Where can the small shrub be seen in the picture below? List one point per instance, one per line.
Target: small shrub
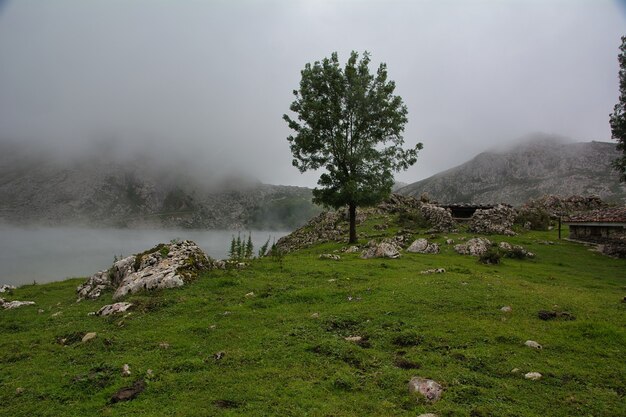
(537, 218)
(491, 257)
(413, 220)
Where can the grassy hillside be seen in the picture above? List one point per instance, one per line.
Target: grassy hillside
(279, 328)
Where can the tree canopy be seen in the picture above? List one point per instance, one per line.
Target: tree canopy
(618, 117)
(350, 123)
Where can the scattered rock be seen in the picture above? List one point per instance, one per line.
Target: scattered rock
(449, 241)
(125, 370)
(533, 376)
(250, 294)
(89, 336)
(506, 309)
(433, 271)
(40, 311)
(554, 315)
(330, 256)
(58, 313)
(19, 391)
(427, 388)
(352, 249)
(113, 309)
(315, 315)
(355, 339)
(427, 415)
(514, 370)
(164, 266)
(219, 355)
(129, 393)
(533, 344)
(8, 305)
(164, 345)
(381, 250)
(475, 246)
(149, 373)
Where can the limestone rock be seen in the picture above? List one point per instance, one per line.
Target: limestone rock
(506, 309)
(330, 256)
(475, 246)
(352, 249)
(419, 246)
(113, 309)
(533, 344)
(533, 376)
(8, 305)
(427, 388)
(6, 288)
(381, 250)
(164, 266)
(433, 271)
(89, 336)
(423, 246)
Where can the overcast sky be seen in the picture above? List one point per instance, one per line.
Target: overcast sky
(210, 80)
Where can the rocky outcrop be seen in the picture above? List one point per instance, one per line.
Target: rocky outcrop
(164, 266)
(116, 308)
(9, 305)
(496, 221)
(514, 251)
(381, 250)
(423, 246)
(559, 206)
(427, 389)
(475, 247)
(537, 166)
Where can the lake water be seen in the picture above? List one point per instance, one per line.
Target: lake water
(45, 254)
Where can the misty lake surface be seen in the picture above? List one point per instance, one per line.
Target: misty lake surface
(45, 254)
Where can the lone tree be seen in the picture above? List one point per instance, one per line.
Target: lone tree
(350, 123)
(618, 117)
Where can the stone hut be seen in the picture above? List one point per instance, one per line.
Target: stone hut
(598, 226)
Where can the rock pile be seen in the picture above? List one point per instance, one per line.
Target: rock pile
(439, 217)
(498, 220)
(164, 266)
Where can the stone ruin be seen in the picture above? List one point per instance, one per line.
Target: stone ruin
(496, 221)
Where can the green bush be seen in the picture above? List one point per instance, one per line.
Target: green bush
(538, 218)
(491, 257)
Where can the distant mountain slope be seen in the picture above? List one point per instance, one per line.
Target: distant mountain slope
(531, 169)
(138, 192)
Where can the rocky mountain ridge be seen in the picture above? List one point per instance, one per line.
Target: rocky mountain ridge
(533, 168)
(139, 192)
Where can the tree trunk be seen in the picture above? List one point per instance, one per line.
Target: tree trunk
(352, 217)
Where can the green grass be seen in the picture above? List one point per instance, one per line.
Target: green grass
(280, 360)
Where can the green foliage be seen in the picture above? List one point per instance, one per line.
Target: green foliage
(350, 123)
(263, 249)
(491, 257)
(538, 218)
(618, 117)
(240, 249)
(413, 219)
